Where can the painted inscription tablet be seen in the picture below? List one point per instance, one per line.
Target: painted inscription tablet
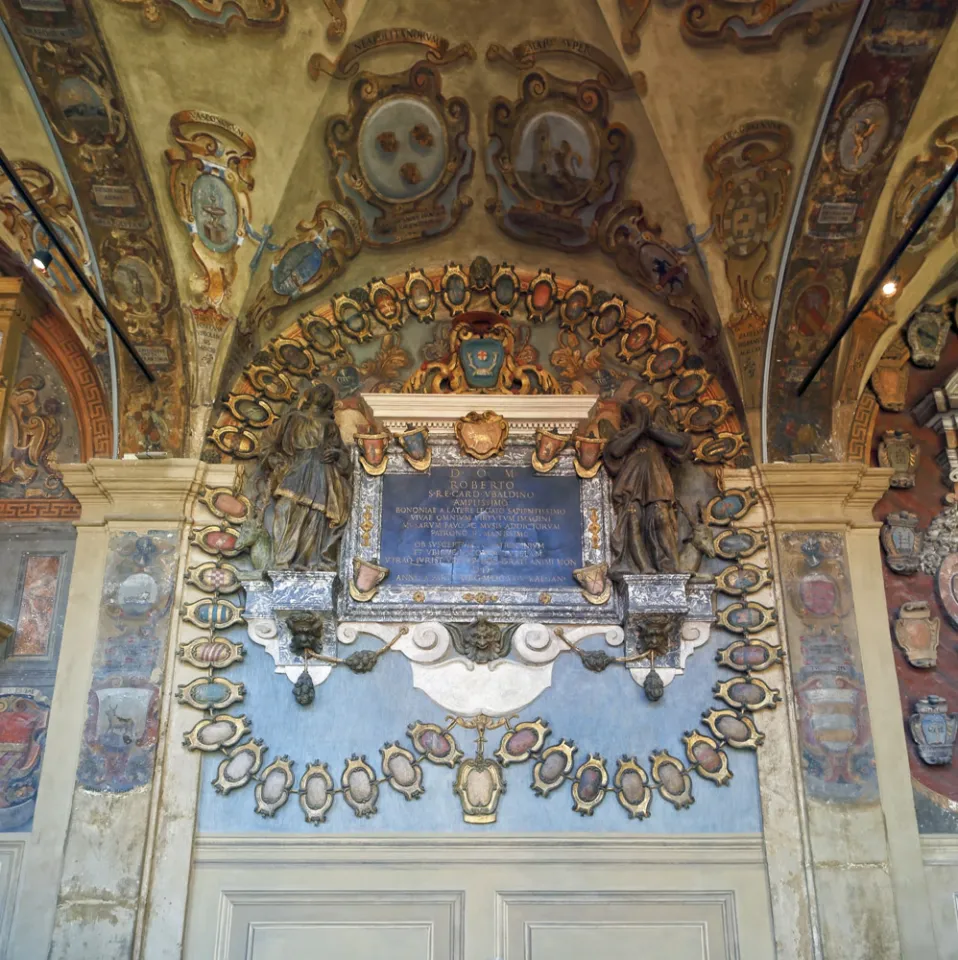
(466, 535)
(481, 525)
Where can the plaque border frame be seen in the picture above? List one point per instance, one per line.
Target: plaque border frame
(396, 603)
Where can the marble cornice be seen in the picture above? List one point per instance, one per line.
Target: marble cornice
(134, 490)
(816, 494)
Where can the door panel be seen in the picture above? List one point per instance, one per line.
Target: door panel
(614, 926)
(275, 925)
(256, 897)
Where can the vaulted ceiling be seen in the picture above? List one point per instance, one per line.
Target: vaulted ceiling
(736, 169)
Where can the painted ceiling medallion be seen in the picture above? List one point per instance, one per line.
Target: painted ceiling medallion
(402, 156)
(317, 252)
(556, 160)
(210, 184)
(916, 185)
(750, 177)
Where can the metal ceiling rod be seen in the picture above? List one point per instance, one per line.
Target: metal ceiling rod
(7, 168)
(906, 238)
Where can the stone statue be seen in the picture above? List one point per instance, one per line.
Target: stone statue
(639, 458)
(300, 488)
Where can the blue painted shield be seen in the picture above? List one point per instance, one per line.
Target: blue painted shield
(482, 360)
(414, 443)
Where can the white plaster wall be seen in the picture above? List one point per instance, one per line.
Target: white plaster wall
(940, 855)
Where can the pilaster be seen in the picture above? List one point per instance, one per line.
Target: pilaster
(11, 329)
(82, 885)
(863, 836)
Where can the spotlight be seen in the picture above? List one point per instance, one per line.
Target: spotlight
(42, 259)
(889, 288)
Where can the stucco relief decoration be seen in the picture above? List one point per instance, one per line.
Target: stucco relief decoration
(880, 85)
(757, 25)
(217, 575)
(21, 232)
(750, 177)
(210, 185)
(215, 14)
(71, 70)
(493, 329)
(559, 163)
(401, 155)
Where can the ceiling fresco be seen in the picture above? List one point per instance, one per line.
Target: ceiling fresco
(882, 80)
(229, 167)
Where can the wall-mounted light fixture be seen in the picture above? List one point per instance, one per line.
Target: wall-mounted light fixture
(41, 259)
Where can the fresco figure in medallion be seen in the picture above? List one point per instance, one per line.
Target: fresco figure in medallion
(639, 458)
(301, 485)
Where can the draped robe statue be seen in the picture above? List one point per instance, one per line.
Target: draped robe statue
(302, 484)
(639, 458)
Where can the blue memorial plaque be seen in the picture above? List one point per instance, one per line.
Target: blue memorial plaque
(481, 526)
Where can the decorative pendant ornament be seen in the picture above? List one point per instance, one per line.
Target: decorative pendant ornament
(594, 580)
(934, 730)
(548, 447)
(373, 456)
(482, 435)
(588, 456)
(916, 632)
(367, 577)
(304, 692)
(653, 686)
(901, 540)
(897, 451)
(415, 447)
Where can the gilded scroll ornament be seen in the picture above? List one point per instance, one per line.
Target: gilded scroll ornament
(337, 26)
(755, 24)
(632, 13)
(216, 14)
(210, 185)
(433, 49)
(482, 353)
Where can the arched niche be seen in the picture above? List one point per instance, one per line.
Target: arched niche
(486, 330)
